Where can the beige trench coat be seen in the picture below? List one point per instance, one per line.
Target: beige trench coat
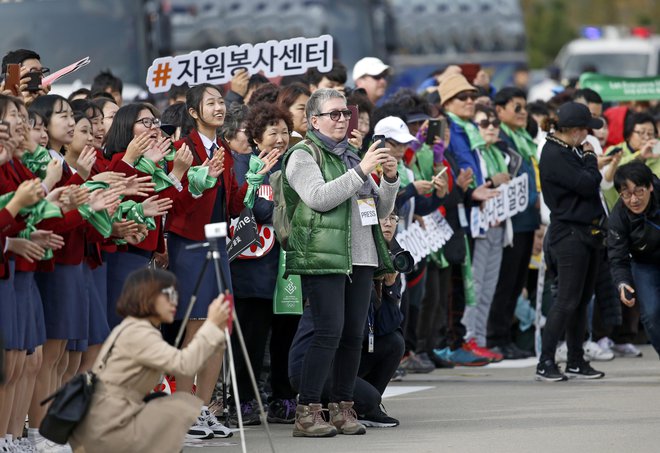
(118, 420)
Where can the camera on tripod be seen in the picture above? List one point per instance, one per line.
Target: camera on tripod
(215, 230)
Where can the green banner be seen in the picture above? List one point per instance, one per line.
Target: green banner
(622, 88)
(287, 299)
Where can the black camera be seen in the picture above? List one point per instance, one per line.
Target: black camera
(402, 260)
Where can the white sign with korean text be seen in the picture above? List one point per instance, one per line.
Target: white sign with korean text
(512, 199)
(217, 66)
(421, 242)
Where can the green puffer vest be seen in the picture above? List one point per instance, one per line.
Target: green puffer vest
(320, 242)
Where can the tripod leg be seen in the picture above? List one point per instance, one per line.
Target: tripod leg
(221, 285)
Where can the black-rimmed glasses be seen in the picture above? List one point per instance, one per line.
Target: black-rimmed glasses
(335, 114)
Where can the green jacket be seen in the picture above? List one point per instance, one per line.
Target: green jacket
(320, 242)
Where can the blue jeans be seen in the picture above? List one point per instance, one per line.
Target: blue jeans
(647, 289)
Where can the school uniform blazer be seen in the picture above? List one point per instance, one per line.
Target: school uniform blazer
(118, 419)
(190, 216)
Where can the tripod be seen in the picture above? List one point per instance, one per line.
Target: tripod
(215, 233)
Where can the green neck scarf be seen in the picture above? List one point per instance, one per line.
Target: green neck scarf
(37, 161)
(475, 138)
(34, 214)
(523, 141)
(199, 180)
(100, 220)
(494, 160)
(158, 175)
(403, 175)
(130, 210)
(253, 179)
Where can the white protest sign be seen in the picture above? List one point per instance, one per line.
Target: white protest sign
(421, 242)
(512, 199)
(217, 66)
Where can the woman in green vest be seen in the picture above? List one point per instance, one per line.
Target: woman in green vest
(335, 244)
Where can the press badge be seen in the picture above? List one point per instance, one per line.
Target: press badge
(371, 342)
(368, 214)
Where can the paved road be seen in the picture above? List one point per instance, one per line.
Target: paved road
(500, 408)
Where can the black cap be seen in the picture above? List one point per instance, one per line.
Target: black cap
(573, 114)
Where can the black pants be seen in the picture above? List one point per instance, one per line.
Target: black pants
(432, 319)
(283, 330)
(378, 367)
(512, 278)
(577, 267)
(255, 316)
(339, 308)
(455, 328)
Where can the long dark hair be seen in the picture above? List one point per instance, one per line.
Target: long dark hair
(121, 131)
(46, 105)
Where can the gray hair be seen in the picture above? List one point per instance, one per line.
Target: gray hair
(318, 98)
(236, 115)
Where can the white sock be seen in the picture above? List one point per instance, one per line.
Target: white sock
(9, 438)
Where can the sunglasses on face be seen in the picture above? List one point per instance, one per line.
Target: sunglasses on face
(149, 122)
(335, 114)
(465, 95)
(172, 295)
(485, 123)
(519, 108)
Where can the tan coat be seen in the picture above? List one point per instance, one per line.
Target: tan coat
(118, 420)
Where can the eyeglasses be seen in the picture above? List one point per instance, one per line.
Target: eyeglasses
(172, 295)
(43, 71)
(149, 122)
(485, 123)
(519, 108)
(335, 114)
(391, 219)
(465, 95)
(647, 134)
(637, 191)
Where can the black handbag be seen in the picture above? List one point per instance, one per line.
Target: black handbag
(70, 404)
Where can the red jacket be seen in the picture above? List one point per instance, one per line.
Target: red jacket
(189, 214)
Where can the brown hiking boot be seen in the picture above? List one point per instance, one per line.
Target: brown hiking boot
(310, 422)
(344, 418)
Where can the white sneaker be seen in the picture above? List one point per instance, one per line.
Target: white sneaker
(626, 350)
(43, 445)
(200, 430)
(561, 354)
(594, 353)
(26, 446)
(219, 430)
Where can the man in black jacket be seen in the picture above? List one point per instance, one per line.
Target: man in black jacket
(633, 243)
(570, 182)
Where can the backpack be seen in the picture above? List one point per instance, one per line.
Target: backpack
(281, 219)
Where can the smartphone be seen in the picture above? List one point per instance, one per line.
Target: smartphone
(614, 151)
(34, 82)
(13, 79)
(656, 148)
(382, 141)
(168, 129)
(353, 122)
(436, 129)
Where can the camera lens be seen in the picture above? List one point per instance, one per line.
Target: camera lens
(403, 262)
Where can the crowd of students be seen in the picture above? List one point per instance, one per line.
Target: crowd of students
(92, 190)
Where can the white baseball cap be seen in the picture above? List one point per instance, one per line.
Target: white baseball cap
(394, 128)
(369, 66)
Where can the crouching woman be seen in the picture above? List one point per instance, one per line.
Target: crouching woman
(119, 419)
